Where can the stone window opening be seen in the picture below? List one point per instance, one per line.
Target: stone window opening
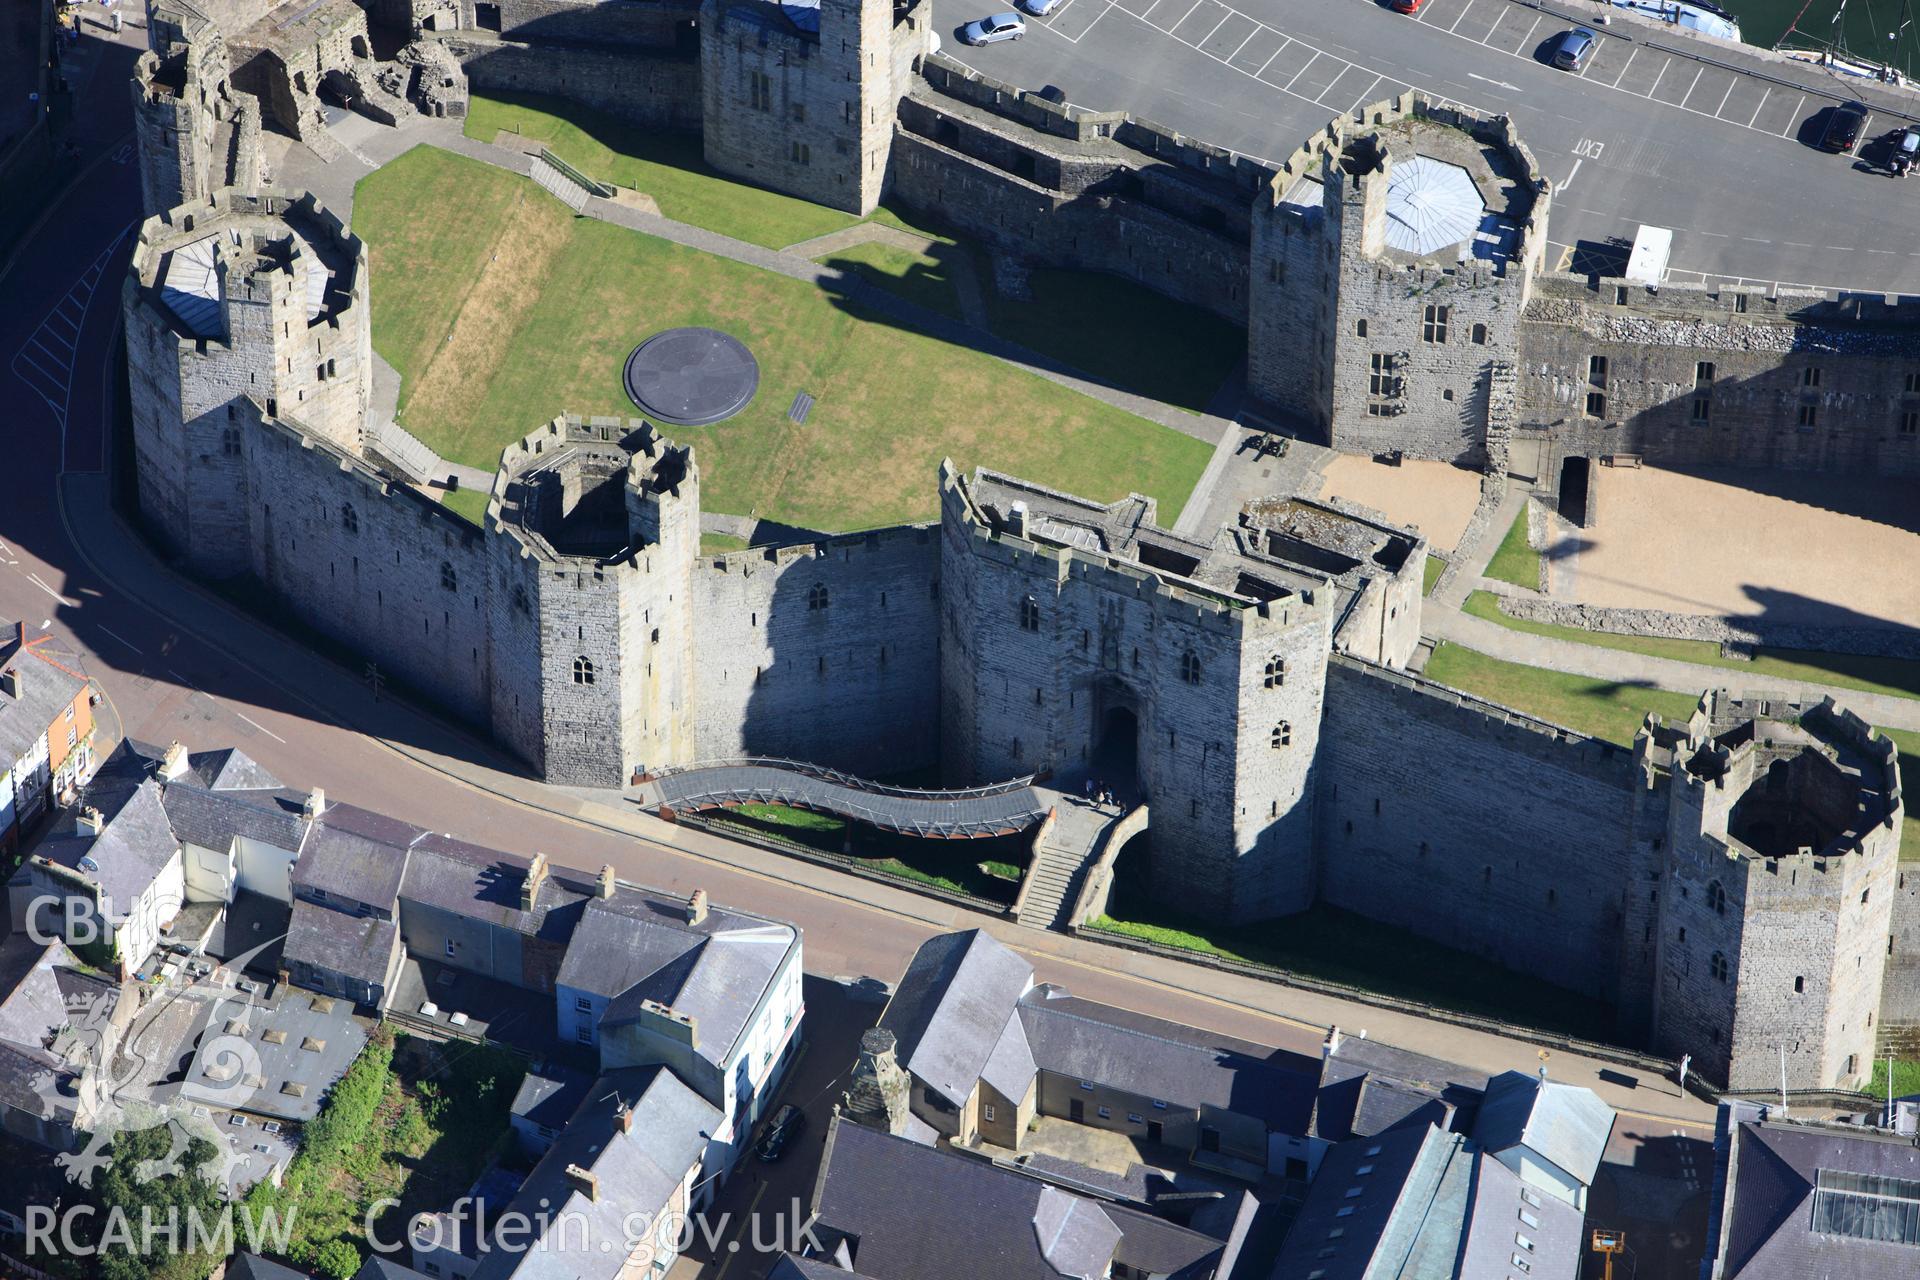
(449, 581)
(1703, 374)
(1910, 422)
(1808, 417)
(1596, 404)
(1282, 735)
(1596, 371)
(1913, 382)
(1433, 325)
(349, 518)
(1039, 699)
(1360, 328)
(1811, 377)
(759, 91)
(1479, 335)
(1683, 933)
(1029, 614)
(1190, 667)
(817, 597)
(1800, 985)
(583, 670)
(801, 153)
(1276, 674)
(1702, 409)
(230, 441)
(1717, 898)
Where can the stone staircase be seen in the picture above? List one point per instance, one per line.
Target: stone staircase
(404, 452)
(1060, 861)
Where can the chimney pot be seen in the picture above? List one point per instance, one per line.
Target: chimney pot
(10, 682)
(316, 803)
(530, 887)
(603, 884)
(697, 907)
(91, 820)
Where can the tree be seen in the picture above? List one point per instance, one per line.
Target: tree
(128, 1201)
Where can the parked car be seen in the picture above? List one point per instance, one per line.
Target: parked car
(992, 30)
(1906, 151)
(1571, 50)
(1844, 123)
(1404, 6)
(1038, 8)
(787, 1124)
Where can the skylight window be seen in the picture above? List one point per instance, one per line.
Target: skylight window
(1866, 1206)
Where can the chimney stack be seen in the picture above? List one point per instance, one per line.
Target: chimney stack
(316, 803)
(174, 762)
(585, 1181)
(89, 821)
(623, 1119)
(1017, 518)
(536, 876)
(603, 883)
(1331, 1045)
(697, 907)
(10, 683)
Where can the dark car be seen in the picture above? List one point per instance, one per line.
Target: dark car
(1571, 49)
(1844, 123)
(787, 1124)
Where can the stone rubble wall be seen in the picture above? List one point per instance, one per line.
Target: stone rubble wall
(1736, 634)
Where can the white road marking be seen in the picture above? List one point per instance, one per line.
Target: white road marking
(1682, 104)
(1576, 169)
(1284, 42)
(1631, 55)
(123, 640)
(1243, 44)
(1728, 94)
(1498, 84)
(34, 578)
(1766, 92)
(1302, 71)
(1216, 28)
(1183, 17)
(1793, 117)
(1463, 13)
(262, 728)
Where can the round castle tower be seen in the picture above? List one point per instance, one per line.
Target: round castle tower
(595, 526)
(237, 304)
(1769, 918)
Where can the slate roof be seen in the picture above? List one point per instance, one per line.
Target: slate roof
(251, 1266)
(1562, 1123)
(1419, 1203)
(792, 1267)
(484, 884)
(638, 946)
(918, 1213)
(379, 1268)
(46, 690)
(549, 1096)
(951, 1008)
(211, 819)
(134, 842)
(360, 947)
(32, 1002)
(637, 1171)
(356, 855)
(1166, 1061)
(1766, 1232)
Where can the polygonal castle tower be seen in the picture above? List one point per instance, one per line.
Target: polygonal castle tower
(801, 96)
(231, 299)
(1390, 263)
(1764, 928)
(596, 526)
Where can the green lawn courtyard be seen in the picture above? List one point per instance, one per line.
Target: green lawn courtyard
(500, 310)
(1515, 561)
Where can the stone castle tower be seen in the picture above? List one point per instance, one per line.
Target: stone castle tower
(1413, 239)
(233, 301)
(1076, 635)
(1763, 926)
(194, 134)
(598, 528)
(801, 97)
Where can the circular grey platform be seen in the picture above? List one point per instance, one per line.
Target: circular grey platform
(691, 377)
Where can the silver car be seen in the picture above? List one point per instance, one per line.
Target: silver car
(1001, 26)
(1038, 8)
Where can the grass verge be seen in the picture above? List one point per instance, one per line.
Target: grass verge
(476, 262)
(471, 503)
(1906, 1078)
(1895, 677)
(958, 866)
(1338, 946)
(1907, 743)
(1430, 574)
(713, 544)
(670, 167)
(1515, 561)
(1599, 708)
(924, 279)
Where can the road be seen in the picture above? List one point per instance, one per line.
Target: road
(1639, 136)
(166, 678)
